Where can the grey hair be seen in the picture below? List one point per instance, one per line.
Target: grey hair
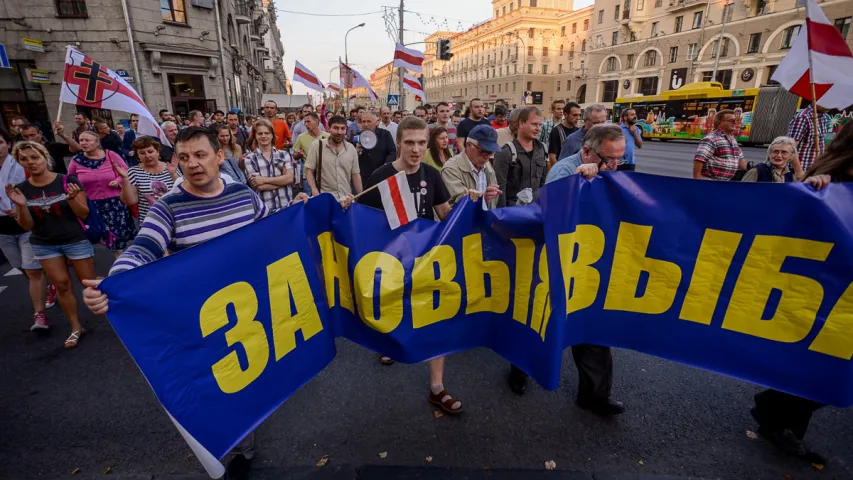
(472, 142)
(168, 123)
(605, 132)
(595, 107)
(782, 140)
(513, 115)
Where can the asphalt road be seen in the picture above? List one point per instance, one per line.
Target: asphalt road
(91, 409)
(675, 159)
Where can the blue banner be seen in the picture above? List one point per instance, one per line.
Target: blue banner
(749, 280)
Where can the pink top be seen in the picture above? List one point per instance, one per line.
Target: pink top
(96, 183)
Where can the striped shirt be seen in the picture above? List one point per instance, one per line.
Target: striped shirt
(801, 129)
(720, 155)
(280, 163)
(181, 220)
(150, 187)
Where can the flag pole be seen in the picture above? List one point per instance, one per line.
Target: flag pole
(815, 125)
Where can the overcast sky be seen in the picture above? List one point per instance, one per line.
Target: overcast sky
(318, 41)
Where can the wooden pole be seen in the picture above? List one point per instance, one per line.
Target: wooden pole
(58, 115)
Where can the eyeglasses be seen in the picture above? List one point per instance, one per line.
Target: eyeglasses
(784, 153)
(484, 153)
(606, 160)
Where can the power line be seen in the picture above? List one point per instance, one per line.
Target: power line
(329, 14)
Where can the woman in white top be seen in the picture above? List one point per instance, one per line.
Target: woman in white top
(143, 184)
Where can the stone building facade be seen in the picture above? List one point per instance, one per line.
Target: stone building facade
(180, 54)
(615, 48)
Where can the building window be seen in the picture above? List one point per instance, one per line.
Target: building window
(616, 14)
(615, 39)
(654, 29)
(510, 7)
(493, 89)
(754, 43)
(558, 85)
(568, 85)
(697, 19)
(530, 51)
(530, 33)
(658, 3)
(544, 51)
(610, 90)
(586, 25)
(673, 54)
(544, 69)
(503, 10)
(571, 48)
(533, 3)
(561, 50)
(583, 46)
(692, 51)
(529, 68)
(71, 8)
(648, 86)
(515, 69)
(641, 4)
(843, 26)
(563, 31)
(529, 86)
(574, 28)
(630, 62)
(650, 58)
(610, 65)
(513, 86)
(789, 35)
(598, 42)
(560, 68)
(728, 10)
(679, 21)
(173, 11)
(725, 50)
(499, 88)
(770, 71)
(633, 36)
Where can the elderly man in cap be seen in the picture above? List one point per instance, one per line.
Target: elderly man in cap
(471, 172)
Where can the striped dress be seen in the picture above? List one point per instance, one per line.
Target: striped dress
(150, 186)
(180, 220)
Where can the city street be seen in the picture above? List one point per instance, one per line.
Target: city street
(91, 409)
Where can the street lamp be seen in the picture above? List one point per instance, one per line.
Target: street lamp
(523, 70)
(346, 60)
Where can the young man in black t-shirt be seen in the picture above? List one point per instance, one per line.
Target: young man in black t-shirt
(558, 135)
(431, 201)
(475, 117)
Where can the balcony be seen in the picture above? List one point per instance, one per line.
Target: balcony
(677, 5)
(243, 14)
(492, 62)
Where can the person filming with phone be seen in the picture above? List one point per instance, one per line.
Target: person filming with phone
(375, 146)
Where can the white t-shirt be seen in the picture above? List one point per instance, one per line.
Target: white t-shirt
(392, 129)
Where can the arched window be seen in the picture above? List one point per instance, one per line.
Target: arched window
(583, 46)
(581, 97)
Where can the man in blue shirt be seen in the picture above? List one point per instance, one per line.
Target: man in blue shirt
(592, 115)
(127, 142)
(633, 139)
(602, 149)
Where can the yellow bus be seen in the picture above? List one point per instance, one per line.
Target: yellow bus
(688, 113)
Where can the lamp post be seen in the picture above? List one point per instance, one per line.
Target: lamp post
(346, 60)
(523, 70)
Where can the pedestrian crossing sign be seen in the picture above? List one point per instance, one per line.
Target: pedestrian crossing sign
(4, 59)
(393, 100)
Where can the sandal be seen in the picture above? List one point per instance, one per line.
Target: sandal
(74, 338)
(445, 402)
(385, 360)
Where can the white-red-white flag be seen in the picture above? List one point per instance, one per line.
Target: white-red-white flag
(408, 58)
(90, 84)
(410, 82)
(306, 77)
(334, 87)
(397, 200)
(350, 78)
(831, 59)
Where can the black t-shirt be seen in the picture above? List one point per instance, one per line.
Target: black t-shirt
(555, 142)
(383, 153)
(57, 152)
(466, 125)
(55, 222)
(112, 142)
(427, 179)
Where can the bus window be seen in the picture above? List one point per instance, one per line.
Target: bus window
(641, 110)
(616, 114)
(675, 110)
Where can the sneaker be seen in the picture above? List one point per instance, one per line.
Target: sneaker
(39, 322)
(51, 296)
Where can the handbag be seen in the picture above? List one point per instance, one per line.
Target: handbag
(134, 209)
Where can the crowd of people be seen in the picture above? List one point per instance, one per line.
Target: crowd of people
(221, 172)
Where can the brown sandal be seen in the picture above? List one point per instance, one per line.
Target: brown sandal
(445, 402)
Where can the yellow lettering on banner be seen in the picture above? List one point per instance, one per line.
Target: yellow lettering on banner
(712, 265)
(425, 284)
(590, 242)
(390, 290)
(525, 254)
(801, 296)
(836, 336)
(476, 270)
(287, 278)
(335, 258)
(248, 332)
(542, 298)
(629, 262)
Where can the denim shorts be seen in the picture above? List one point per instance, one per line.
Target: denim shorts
(19, 251)
(72, 251)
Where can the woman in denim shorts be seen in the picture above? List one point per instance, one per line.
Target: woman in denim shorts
(14, 240)
(50, 205)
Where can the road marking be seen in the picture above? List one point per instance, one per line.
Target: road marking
(3, 288)
(12, 272)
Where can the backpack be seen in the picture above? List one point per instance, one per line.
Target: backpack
(765, 175)
(95, 227)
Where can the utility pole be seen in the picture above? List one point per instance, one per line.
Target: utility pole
(401, 70)
(721, 40)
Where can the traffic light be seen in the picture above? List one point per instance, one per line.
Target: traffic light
(444, 49)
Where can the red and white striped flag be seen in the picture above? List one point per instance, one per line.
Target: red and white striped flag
(408, 58)
(410, 82)
(397, 200)
(822, 45)
(352, 79)
(334, 87)
(306, 77)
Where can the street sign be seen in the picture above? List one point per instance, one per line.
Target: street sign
(4, 59)
(33, 45)
(38, 76)
(124, 75)
(393, 100)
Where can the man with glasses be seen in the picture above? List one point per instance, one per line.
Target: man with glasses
(603, 147)
(471, 171)
(718, 156)
(593, 115)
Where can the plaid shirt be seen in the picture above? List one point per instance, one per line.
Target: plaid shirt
(720, 155)
(800, 129)
(545, 134)
(278, 165)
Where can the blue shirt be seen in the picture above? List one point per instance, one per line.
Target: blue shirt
(630, 142)
(565, 167)
(573, 144)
